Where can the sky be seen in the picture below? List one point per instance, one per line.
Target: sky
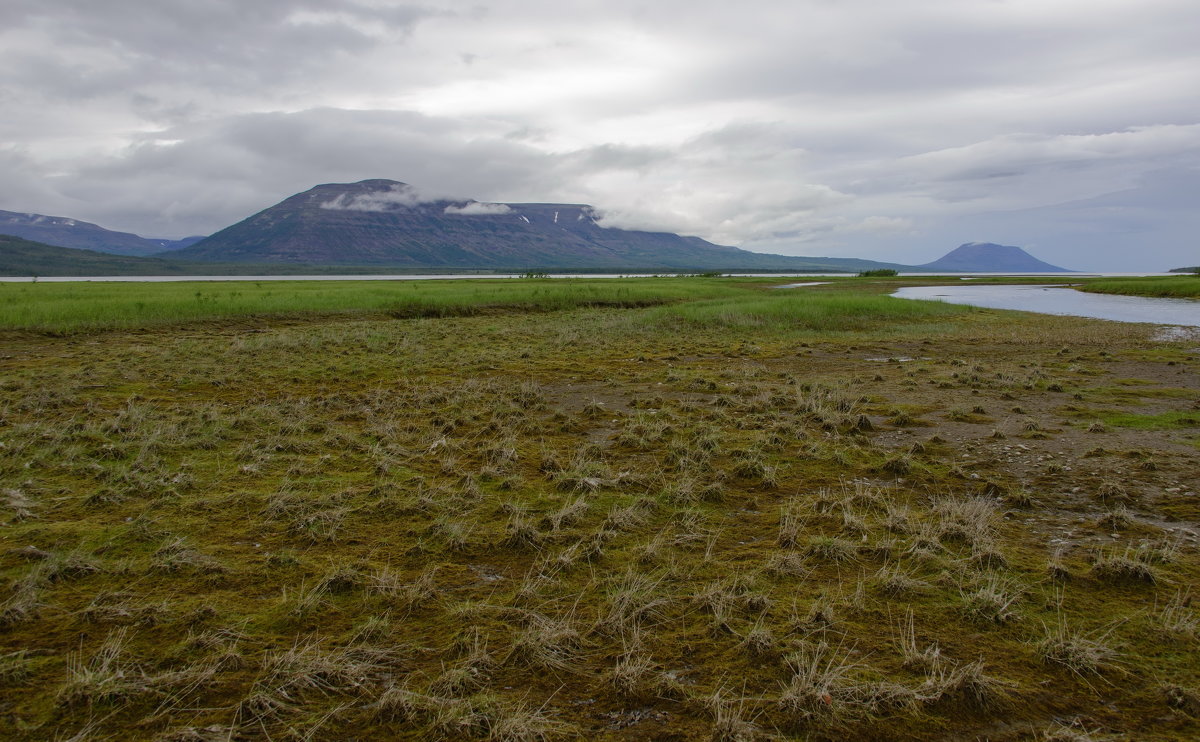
(850, 128)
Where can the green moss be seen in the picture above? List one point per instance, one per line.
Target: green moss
(582, 522)
(1158, 421)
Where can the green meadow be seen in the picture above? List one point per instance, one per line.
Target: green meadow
(1178, 287)
(67, 307)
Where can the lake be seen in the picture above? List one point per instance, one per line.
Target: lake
(369, 277)
(1064, 301)
(459, 276)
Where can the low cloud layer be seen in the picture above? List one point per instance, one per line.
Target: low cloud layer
(475, 208)
(404, 196)
(859, 128)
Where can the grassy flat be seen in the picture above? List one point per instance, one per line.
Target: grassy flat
(683, 508)
(1178, 287)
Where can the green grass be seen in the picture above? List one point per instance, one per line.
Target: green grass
(822, 311)
(1161, 421)
(691, 302)
(1178, 287)
(69, 307)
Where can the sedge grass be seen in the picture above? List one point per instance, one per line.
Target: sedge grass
(820, 311)
(68, 307)
(1178, 287)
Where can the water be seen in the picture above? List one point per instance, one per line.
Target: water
(459, 276)
(368, 277)
(1064, 301)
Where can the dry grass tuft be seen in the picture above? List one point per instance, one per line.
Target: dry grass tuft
(822, 684)
(547, 644)
(991, 601)
(831, 548)
(1083, 653)
(1130, 565)
(108, 676)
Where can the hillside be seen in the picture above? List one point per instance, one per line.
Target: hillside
(988, 257)
(21, 257)
(384, 222)
(62, 231)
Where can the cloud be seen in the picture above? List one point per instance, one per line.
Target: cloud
(477, 208)
(854, 127)
(400, 196)
(881, 224)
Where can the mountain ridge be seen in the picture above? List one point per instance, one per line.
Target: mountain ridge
(375, 225)
(385, 222)
(63, 231)
(989, 257)
(21, 257)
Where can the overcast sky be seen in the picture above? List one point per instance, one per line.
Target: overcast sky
(870, 128)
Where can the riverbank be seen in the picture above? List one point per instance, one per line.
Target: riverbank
(1061, 300)
(1178, 287)
(734, 513)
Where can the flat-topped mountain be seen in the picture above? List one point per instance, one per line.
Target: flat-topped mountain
(375, 225)
(385, 222)
(63, 231)
(988, 257)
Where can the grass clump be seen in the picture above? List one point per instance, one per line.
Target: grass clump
(1081, 652)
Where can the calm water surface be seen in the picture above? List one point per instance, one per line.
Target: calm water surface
(1058, 300)
(362, 277)
(457, 276)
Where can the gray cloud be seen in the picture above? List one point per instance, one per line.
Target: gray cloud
(476, 208)
(862, 127)
(402, 196)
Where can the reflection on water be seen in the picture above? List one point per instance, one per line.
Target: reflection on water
(1057, 300)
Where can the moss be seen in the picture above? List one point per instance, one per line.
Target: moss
(536, 526)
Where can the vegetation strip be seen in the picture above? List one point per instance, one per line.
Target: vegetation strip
(1178, 287)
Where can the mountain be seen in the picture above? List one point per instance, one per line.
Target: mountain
(166, 245)
(987, 257)
(385, 222)
(63, 231)
(21, 257)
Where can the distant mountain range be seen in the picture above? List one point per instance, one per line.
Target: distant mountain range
(376, 226)
(66, 232)
(21, 257)
(385, 222)
(990, 258)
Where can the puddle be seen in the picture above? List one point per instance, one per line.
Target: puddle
(1178, 333)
